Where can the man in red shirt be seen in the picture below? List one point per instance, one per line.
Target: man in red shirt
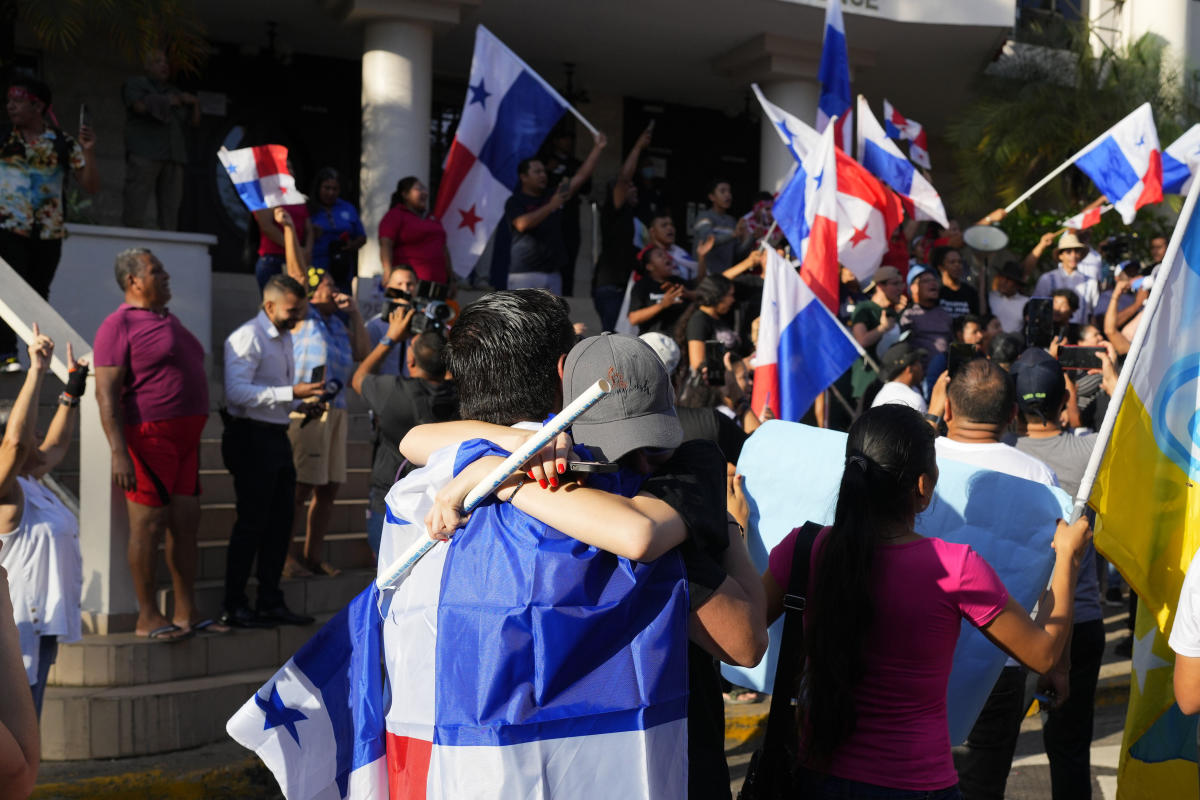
(153, 395)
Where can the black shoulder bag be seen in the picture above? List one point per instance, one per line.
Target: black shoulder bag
(771, 773)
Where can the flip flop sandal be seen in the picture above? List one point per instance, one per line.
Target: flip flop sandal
(163, 634)
(210, 627)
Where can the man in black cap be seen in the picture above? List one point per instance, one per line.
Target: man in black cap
(1067, 732)
(903, 367)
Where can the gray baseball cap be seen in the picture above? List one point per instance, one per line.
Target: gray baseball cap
(639, 411)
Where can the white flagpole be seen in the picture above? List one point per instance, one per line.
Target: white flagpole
(544, 84)
(1135, 349)
(1061, 167)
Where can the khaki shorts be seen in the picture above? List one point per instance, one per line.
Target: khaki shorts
(319, 448)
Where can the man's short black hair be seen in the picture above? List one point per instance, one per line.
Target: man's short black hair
(429, 352)
(1006, 348)
(661, 213)
(938, 255)
(982, 392)
(504, 350)
(523, 167)
(284, 284)
(713, 184)
(959, 324)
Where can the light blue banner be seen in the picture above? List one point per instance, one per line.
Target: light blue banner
(792, 475)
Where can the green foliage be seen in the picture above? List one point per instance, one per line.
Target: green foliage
(133, 27)
(1019, 128)
(1024, 227)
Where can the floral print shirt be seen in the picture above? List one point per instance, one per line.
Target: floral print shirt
(31, 185)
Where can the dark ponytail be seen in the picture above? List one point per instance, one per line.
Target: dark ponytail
(709, 292)
(402, 188)
(887, 450)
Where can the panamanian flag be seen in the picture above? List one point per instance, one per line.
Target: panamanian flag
(508, 112)
(523, 663)
(834, 75)
(898, 126)
(1087, 218)
(867, 211)
(883, 158)
(260, 176)
(1180, 160)
(1125, 163)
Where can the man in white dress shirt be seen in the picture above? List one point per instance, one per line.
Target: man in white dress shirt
(259, 394)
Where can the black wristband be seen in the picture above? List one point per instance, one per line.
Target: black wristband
(76, 382)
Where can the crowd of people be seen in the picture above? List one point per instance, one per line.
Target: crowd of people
(962, 363)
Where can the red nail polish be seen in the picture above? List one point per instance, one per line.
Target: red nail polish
(531, 475)
(542, 483)
(554, 481)
(562, 468)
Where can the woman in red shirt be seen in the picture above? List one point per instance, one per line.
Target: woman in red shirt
(408, 234)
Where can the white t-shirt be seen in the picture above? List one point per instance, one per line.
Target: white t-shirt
(902, 394)
(998, 457)
(1009, 310)
(1185, 634)
(1087, 288)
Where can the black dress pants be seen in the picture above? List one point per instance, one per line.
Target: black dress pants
(259, 456)
(35, 260)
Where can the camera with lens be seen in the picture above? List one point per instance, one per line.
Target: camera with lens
(428, 302)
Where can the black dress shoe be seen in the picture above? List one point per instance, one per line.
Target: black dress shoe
(282, 615)
(244, 618)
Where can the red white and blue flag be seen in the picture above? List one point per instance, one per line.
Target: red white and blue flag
(1087, 218)
(1180, 160)
(1125, 163)
(867, 211)
(834, 75)
(883, 158)
(524, 663)
(318, 724)
(260, 176)
(898, 126)
(508, 112)
(802, 347)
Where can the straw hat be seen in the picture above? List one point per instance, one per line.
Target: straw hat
(1068, 241)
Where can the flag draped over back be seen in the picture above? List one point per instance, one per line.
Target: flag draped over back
(885, 161)
(834, 75)
(867, 211)
(508, 112)
(260, 176)
(1147, 504)
(898, 126)
(1126, 164)
(523, 663)
(1180, 160)
(802, 347)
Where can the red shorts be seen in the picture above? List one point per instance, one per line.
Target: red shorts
(166, 458)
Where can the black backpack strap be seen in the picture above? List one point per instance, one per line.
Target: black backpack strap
(781, 721)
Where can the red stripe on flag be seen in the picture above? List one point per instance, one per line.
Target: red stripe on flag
(458, 164)
(766, 387)
(270, 159)
(853, 179)
(1151, 182)
(820, 267)
(408, 767)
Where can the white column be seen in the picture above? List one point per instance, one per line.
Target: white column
(798, 97)
(397, 88)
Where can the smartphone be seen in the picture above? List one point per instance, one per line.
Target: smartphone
(714, 362)
(592, 467)
(85, 118)
(318, 374)
(1079, 357)
(1039, 322)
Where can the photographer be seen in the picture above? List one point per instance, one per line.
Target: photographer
(399, 403)
(400, 284)
(324, 351)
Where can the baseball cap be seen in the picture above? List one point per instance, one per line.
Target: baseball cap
(881, 275)
(637, 412)
(664, 346)
(916, 272)
(899, 356)
(1012, 271)
(1038, 379)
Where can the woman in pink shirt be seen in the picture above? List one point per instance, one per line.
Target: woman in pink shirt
(883, 617)
(409, 235)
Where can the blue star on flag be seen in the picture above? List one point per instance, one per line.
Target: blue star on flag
(1141, 140)
(232, 168)
(820, 177)
(479, 94)
(279, 714)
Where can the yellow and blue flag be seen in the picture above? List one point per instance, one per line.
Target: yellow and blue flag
(1147, 502)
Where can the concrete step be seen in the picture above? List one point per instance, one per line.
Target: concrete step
(348, 516)
(125, 659)
(358, 454)
(217, 485)
(315, 596)
(115, 722)
(343, 550)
